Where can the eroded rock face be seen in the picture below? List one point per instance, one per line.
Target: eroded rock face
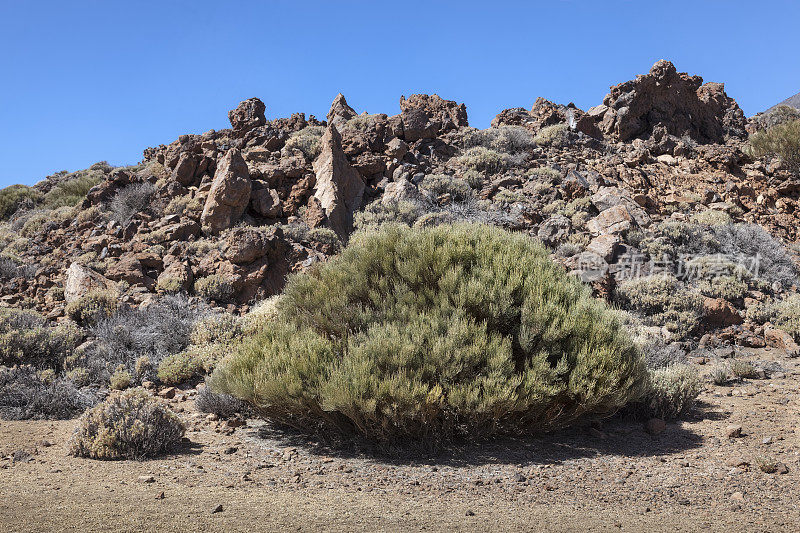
(339, 187)
(81, 280)
(340, 112)
(426, 115)
(248, 115)
(229, 194)
(678, 102)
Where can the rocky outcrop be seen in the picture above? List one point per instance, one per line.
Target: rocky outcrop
(426, 115)
(339, 187)
(81, 280)
(546, 113)
(248, 114)
(676, 101)
(229, 194)
(340, 112)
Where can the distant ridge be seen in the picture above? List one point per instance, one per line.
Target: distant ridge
(792, 101)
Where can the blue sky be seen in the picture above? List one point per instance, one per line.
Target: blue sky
(85, 81)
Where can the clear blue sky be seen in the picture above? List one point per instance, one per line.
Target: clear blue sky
(91, 80)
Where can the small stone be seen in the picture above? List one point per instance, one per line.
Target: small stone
(230, 450)
(167, 393)
(212, 417)
(733, 431)
(655, 426)
(737, 496)
(782, 469)
(149, 385)
(236, 422)
(146, 479)
(217, 509)
(160, 495)
(519, 478)
(470, 512)
(767, 440)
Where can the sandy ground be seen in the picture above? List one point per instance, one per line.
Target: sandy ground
(692, 477)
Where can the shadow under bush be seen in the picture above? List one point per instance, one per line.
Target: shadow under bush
(429, 334)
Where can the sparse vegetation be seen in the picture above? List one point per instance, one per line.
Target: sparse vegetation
(214, 287)
(532, 349)
(15, 196)
(307, 141)
(130, 200)
(127, 425)
(26, 394)
(662, 301)
(673, 391)
(93, 307)
(26, 338)
(781, 140)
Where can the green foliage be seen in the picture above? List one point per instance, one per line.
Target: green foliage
(673, 391)
(26, 338)
(555, 135)
(72, 191)
(712, 217)
(14, 196)
(483, 159)
(743, 370)
(214, 287)
(453, 330)
(782, 140)
(663, 301)
(728, 287)
(307, 141)
(92, 307)
(786, 314)
(121, 379)
(362, 122)
(438, 184)
(179, 368)
(128, 425)
(325, 236)
(377, 213)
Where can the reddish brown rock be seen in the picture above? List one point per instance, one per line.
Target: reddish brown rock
(229, 194)
(248, 114)
(719, 312)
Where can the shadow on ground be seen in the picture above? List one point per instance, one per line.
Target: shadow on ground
(619, 437)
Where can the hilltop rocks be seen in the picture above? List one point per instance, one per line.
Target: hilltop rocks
(339, 187)
(247, 115)
(546, 113)
(229, 194)
(677, 101)
(340, 112)
(426, 115)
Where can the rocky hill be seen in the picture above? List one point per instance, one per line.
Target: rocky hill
(792, 101)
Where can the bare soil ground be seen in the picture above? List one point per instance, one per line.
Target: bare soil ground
(691, 477)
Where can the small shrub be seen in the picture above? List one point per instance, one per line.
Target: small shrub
(712, 217)
(169, 285)
(438, 184)
(121, 379)
(427, 334)
(362, 122)
(377, 213)
(128, 425)
(483, 159)
(728, 287)
(786, 314)
(473, 178)
(24, 394)
(130, 200)
(214, 287)
(768, 465)
(743, 370)
(93, 307)
(507, 139)
(72, 191)
(555, 135)
(673, 391)
(720, 375)
(26, 338)
(16, 196)
(153, 332)
(179, 368)
(782, 141)
(307, 141)
(325, 236)
(744, 243)
(222, 405)
(663, 301)
(79, 376)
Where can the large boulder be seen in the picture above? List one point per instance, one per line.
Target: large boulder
(339, 187)
(229, 194)
(81, 280)
(247, 115)
(340, 112)
(426, 115)
(678, 102)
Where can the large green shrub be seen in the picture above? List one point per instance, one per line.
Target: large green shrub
(430, 333)
(782, 140)
(14, 196)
